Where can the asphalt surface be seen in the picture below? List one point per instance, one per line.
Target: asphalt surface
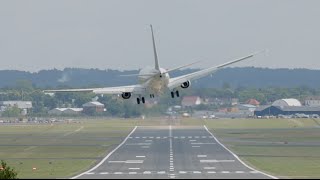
(171, 152)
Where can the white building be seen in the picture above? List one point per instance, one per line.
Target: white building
(286, 102)
(22, 105)
(312, 101)
(19, 104)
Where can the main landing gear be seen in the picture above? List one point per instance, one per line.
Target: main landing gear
(175, 93)
(142, 100)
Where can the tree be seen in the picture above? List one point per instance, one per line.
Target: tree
(12, 112)
(7, 172)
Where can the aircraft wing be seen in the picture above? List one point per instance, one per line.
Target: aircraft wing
(134, 89)
(177, 81)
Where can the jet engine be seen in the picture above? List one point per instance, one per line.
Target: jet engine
(126, 95)
(186, 84)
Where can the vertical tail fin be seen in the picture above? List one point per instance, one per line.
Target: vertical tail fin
(155, 51)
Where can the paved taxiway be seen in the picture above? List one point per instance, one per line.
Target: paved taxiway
(171, 152)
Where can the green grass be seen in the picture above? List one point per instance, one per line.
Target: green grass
(281, 147)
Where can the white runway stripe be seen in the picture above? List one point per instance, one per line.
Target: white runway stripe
(202, 143)
(211, 172)
(201, 156)
(239, 172)
(215, 161)
(134, 168)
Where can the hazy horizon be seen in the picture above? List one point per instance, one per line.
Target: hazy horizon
(115, 34)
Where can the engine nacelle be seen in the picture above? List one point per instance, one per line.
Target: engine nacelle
(186, 84)
(126, 95)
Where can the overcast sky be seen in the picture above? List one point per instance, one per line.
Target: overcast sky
(115, 34)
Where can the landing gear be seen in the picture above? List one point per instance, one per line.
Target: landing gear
(177, 94)
(151, 95)
(142, 100)
(138, 100)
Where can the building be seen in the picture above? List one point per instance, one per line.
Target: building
(22, 105)
(189, 101)
(93, 107)
(65, 111)
(18, 104)
(312, 101)
(253, 102)
(286, 110)
(246, 107)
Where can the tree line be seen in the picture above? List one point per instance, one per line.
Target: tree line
(116, 106)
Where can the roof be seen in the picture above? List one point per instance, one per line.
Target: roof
(64, 109)
(261, 108)
(291, 108)
(299, 108)
(286, 102)
(253, 102)
(19, 104)
(190, 100)
(247, 105)
(93, 103)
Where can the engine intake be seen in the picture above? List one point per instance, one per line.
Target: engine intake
(185, 84)
(126, 95)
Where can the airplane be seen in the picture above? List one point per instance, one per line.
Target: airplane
(155, 81)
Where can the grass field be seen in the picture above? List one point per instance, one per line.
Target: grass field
(287, 148)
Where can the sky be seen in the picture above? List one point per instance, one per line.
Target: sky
(115, 34)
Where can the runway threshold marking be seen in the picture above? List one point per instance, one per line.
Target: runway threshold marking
(134, 168)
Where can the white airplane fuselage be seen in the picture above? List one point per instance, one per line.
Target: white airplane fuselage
(155, 82)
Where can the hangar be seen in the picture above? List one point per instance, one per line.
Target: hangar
(286, 110)
(286, 107)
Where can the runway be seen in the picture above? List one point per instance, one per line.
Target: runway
(171, 152)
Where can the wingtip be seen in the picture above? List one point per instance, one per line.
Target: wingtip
(264, 51)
